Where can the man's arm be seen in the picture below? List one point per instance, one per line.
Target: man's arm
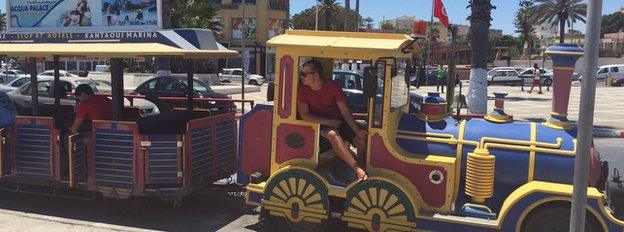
(76, 125)
(347, 115)
(304, 113)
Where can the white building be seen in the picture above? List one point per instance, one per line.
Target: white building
(401, 23)
(545, 33)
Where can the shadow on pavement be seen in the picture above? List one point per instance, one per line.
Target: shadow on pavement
(207, 211)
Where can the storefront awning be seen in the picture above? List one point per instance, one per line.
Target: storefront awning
(185, 43)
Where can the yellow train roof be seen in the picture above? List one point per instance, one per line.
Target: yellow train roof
(326, 40)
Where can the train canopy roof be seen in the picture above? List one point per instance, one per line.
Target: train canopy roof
(398, 45)
(185, 43)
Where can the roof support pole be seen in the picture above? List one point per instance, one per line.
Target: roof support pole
(34, 91)
(57, 83)
(118, 87)
(189, 85)
(586, 116)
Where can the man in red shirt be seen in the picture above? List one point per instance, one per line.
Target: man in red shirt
(322, 101)
(91, 107)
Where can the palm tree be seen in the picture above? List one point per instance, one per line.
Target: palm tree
(525, 25)
(328, 8)
(559, 11)
(479, 42)
(346, 14)
(195, 14)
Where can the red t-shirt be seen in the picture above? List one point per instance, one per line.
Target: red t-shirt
(323, 102)
(95, 108)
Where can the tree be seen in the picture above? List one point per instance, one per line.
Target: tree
(329, 9)
(479, 30)
(195, 14)
(305, 19)
(524, 24)
(559, 11)
(612, 23)
(368, 22)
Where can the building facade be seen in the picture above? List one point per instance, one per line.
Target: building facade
(545, 33)
(263, 20)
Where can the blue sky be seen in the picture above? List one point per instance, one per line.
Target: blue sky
(502, 17)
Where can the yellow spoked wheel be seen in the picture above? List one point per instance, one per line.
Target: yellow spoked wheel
(297, 201)
(378, 206)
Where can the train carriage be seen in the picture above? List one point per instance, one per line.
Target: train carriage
(428, 171)
(168, 155)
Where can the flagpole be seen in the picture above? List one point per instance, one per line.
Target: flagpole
(429, 35)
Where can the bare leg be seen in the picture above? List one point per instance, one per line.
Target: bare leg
(343, 152)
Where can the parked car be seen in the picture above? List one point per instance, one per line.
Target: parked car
(9, 75)
(431, 75)
(504, 76)
(229, 75)
(13, 84)
(351, 83)
(615, 70)
(175, 86)
(62, 73)
(503, 68)
(22, 96)
(618, 81)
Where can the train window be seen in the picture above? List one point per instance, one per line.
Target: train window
(400, 89)
(380, 73)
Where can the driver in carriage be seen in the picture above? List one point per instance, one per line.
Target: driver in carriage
(322, 101)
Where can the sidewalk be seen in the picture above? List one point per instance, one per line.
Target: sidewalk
(608, 111)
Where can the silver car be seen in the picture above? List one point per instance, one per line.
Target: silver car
(22, 95)
(504, 76)
(13, 84)
(229, 75)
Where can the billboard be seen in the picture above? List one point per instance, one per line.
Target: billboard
(276, 27)
(83, 15)
(237, 28)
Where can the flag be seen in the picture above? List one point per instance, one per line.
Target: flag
(440, 12)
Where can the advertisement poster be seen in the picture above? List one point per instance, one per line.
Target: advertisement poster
(237, 28)
(29, 15)
(276, 27)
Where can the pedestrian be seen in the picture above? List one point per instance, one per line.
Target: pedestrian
(537, 79)
(441, 79)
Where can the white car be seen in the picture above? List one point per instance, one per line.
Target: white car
(614, 70)
(62, 73)
(9, 75)
(22, 96)
(13, 84)
(230, 75)
(504, 76)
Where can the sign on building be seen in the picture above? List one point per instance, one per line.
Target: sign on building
(238, 25)
(83, 15)
(276, 27)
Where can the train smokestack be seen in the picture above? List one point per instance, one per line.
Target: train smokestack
(564, 57)
(498, 114)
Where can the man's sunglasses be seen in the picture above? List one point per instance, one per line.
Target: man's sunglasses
(302, 73)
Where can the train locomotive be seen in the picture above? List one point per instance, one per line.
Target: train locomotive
(428, 170)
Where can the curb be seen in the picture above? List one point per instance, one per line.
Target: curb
(73, 221)
(605, 133)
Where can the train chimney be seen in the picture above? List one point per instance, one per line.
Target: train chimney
(564, 57)
(498, 114)
(434, 106)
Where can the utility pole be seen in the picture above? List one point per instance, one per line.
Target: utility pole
(316, 19)
(244, 56)
(346, 14)
(586, 116)
(450, 81)
(357, 15)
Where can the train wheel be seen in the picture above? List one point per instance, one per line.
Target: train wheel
(556, 218)
(296, 201)
(378, 206)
